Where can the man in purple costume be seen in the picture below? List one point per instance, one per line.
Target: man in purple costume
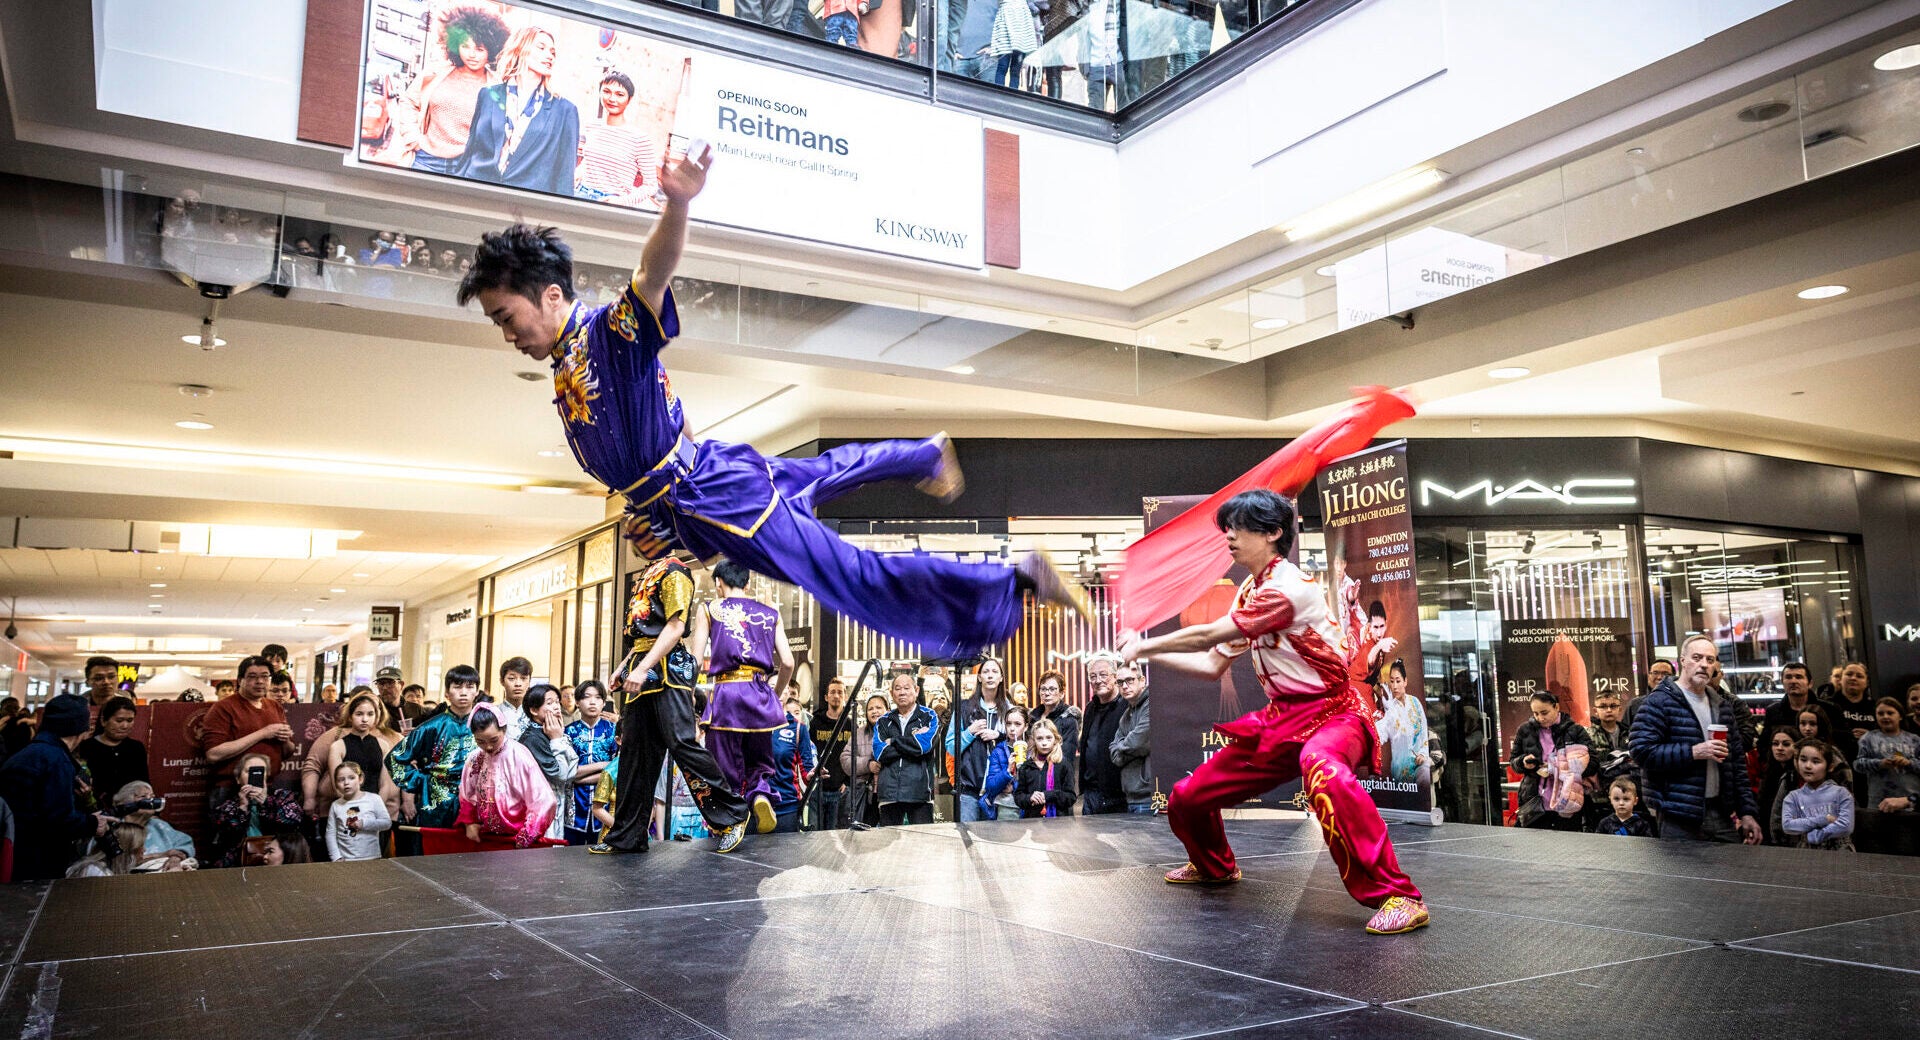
(712, 498)
(744, 643)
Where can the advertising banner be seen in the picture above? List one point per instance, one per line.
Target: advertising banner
(1574, 659)
(1417, 269)
(1187, 707)
(525, 98)
(180, 774)
(1371, 593)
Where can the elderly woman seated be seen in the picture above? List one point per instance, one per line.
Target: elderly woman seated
(137, 804)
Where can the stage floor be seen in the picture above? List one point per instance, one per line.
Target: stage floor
(1021, 929)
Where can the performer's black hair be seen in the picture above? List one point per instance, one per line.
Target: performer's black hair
(460, 674)
(521, 259)
(736, 575)
(1377, 609)
(1262, 512)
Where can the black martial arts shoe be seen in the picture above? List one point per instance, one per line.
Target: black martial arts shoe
(948, 482)
(731, 838)
(1051, 586)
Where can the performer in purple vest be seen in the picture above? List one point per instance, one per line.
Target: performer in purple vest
(628, 431)
(744, 643)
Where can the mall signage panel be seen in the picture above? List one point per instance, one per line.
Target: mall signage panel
(1417, 269)
(383, 623)
(1371, 595)
(1575, 659)
(794, 155)
(1534, 477)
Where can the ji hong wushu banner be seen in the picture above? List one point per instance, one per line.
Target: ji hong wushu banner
(1375, 603)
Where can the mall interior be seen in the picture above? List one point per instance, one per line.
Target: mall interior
(1650, 272)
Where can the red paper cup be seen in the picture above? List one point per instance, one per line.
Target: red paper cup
(1716, 731)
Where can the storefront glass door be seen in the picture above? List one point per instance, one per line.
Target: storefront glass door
(1508, 613)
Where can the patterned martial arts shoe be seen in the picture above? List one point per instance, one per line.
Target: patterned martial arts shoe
(731, 837)
(947, 482)
(1190, 875)
(1397, 915)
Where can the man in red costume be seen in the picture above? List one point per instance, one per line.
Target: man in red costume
(1317, 723)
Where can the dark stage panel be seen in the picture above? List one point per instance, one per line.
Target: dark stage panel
(867, 964)
(1708, 992)
(1050, 928)
(146, 913)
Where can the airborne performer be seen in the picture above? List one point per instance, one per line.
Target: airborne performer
(1317, 724)
(712, 498)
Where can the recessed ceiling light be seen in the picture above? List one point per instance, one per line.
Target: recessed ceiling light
(1764, 111)
(194, 424)
(194, 339)
(1324, 272)
(157, 585)
(1636, 151)
(156, 595)
(306, 610)
(1510, 372)
(1822, 292)
(547, 489)
(1271, 323)
(960, 370)
(1899, 58)
(1797, 393)
(531, 377)
(551, 453)
(336, 591)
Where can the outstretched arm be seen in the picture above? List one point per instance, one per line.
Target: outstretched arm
(681, 182)
(1188, 650)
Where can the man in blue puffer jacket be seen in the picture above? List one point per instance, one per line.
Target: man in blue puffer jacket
(1697, 786)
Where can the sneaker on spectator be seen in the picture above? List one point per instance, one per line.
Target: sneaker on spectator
(764, 818)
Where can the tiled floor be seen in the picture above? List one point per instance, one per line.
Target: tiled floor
(1062, 927)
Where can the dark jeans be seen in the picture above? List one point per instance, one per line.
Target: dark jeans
(654, 726)
(1097, 803)
(1007, 72)
(827, 810)
(1717, 826)
(893, 814)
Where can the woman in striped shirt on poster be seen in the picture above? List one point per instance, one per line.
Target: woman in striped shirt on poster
(619, 161)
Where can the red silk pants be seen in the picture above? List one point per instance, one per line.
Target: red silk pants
(1355, 833)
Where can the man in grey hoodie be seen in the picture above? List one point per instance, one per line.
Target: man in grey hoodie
(1132, 746)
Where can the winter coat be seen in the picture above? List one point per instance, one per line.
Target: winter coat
(1526, 743)
(1132, 751)
(37, 783)
(906, 753)
(1665, 731)
(1033, 777)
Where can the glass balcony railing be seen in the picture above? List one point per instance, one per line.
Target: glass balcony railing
(1099, 54)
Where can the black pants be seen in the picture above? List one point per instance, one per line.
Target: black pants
(893, 814)
(655, 725)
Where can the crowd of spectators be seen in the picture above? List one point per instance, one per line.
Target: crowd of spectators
(1834, 769)
(532, 764)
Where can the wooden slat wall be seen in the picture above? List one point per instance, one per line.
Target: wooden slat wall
(330, 73)
(1003, 199)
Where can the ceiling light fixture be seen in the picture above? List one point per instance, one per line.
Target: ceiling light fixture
(37, 449)
(1351, 209)
(337, 591)
(157, 585)
(1325, 271)
(531, 377)
(960, 370)
(194, 424)
(1899, 59)
(1823, 292)
(156, 595)
(1764, 111)
(552, 453)
(548, 489)
(361, 574)
(1509, 372)
(197, 341)
(1271, 323)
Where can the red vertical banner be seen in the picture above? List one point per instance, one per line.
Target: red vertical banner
(173, 731)
(1371, 591)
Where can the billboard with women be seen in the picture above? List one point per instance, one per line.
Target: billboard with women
(523, 98)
